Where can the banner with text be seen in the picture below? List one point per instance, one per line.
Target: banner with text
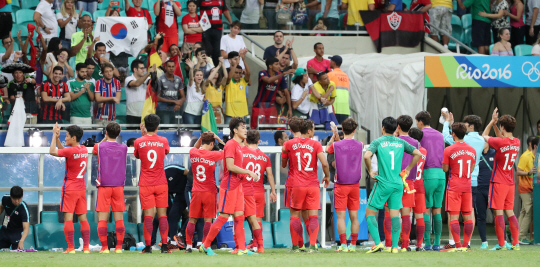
(481, 71)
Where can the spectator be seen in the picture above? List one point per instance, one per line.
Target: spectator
(282, 96)
(518, 29)
(55, 44)
(353, 14)
(440, 15)
(82, 40)
(330, 13)
(108, 92)
(235, 91)
(481, 36)
(195, 94)
(166, 14)
(82, 95)
(280, 137)
(88, 5)
(112, 10)
(526, 170)
(15, 229)
(232, 42)
(9, 56)
(499, 9)
(136, 85)
(269, 12)
(62, 58)
(251, 14)
(503, 47)
(169, 88)
(394, 5)
(272, 51)
(212, 37)
(138, 11)
(54, 92)
(340, 78)
(532, 21)
(6, 19)
(67, 20)
(215, 88)
(300, 94)
(321, 26)
(99, 58)
(422, 6)
(90, 67)
(535, 52)
(45, 18)
(24, 85)
(192, 28)
(318, 63)
(270, 82)
(322, 99)
(202, 62)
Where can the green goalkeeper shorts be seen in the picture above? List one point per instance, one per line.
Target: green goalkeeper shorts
(382, 193)
(434, 192)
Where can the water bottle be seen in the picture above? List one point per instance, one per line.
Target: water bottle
(368, 243)
(132, 248)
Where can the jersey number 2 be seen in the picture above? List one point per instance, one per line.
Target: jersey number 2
(81, 174)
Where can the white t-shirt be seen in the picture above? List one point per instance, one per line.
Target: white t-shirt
(9, 76)
(48, 18)
(229, 44)
(194, 100)
(296, 95)
(135, 97)
(535, 50)
(71, 27)
(251, 13)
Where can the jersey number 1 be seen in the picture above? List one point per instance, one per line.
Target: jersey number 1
(461, 168)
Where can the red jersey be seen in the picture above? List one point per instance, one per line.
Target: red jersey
(203, 166)
(214, 10)
(257, 162)
(151, 150)
(419, 182)
(192, 22)
(417, 5)
(302, 154)
(162, 27)
(55, 91)
(76, 159)
(461, 158)
(132, 12)
(506, 151)
(231, 180)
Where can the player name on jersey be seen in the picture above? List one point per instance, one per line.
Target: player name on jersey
(394, 144)
(203, 160)
(460, 153)
(149, 143)
(255, 157)
(81, 155)
(506, 148)
(306, 146)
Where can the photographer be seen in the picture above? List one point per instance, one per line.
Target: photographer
(16, 223)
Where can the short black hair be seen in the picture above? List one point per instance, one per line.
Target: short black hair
(278, 135)
(277, 32)
(533, 141)
(98, 45)
(236, 23)
(135, 64)
(58, 68)
(474, 120)
(389, 124)
(57, 52)
(233, 54)
(191, 1)
(538, 122)
(416, 133)
(270, 61)
(170, 61)
(253, 137)
(76, 131)
(89, 61)
(16, 192)
(405, 122)
(80, 66)
(131, 142)
(306, 126)
(424, 117)
(5, 37)
(207, 138)
(235, 123)
(459, 129)
(349, 126)
(508, 122)
(198, 50)
(238, 67)
(316, 44)
(295, 124)
(151, 122)
(113, 129)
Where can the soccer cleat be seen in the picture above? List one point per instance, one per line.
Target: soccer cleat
(294, 249)
(497, 247)
(342, 248)
(165, 248)
(234, 251)
(516, 247)
(420, 249)
(246, 252)
(524, 241)
(484, 245)
(436, 248)
(208, 251)
(427, 248)
(118, 251)
(179, 242)
(313, 249)
(86, 251)
(448, 247)
(453, 250)
(70, 251)
(352, 248)
(376, 248)
(260, 250)
(395, 250)
(508, 246)
(388, 249)
(302, 248)
(405, 249)
(147, 249)
(104, 251)
(464, 249)
(188, 250)
(250, 246)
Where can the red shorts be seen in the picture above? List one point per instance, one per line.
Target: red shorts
(203, 205)
(110, 197)
(231, 200)
(458, 201)
(250, 208)
(168, 41)
(288, 191)
(73, 201)
(501, 196)
(259, 203)
(346, 197)
(419, 202)
(154, 196)
(408, 199)
(306, 198)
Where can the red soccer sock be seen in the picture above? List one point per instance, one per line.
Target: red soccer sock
(214, 230)
(102, 233)
(343, 239)
(190, 230)
(306, 224)
(499, 229)
(514, 229)
(69, 230)
(240, 232)
(163, 229)
(387, 229)
(147, 230)
(354, 237)
(120, 231)
(420, 229)
(467, 232)
(405, 230)
(235, 240)
(313, 229)
(300, 235)
(296, 230)
(456, 232)
(206, 229)
(85, 232)
(258, 238)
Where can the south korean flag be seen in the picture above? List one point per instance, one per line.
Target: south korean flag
(122, 34)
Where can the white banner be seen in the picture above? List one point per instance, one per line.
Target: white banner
(122, 34)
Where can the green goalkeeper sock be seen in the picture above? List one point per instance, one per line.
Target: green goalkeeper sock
(427, 232)
(373, 228)
(396, 230)
(437, 228)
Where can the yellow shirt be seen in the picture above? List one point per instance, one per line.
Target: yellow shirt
(321, 91)
(354, 7)
(214, 96)
(526, 163)
(235, 98)
(446, 3)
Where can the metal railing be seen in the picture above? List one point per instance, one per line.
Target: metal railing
(458, 42)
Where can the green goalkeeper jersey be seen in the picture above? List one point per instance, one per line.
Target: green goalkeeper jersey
(389, 151)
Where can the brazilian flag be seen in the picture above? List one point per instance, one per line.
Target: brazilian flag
(208, 120)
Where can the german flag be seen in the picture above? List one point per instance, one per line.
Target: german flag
(394, 28)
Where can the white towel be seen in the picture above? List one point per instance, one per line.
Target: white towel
(15, 136)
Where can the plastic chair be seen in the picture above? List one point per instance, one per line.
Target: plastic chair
(49, 233)
(121, 108)
(29, 4)
(30, 240)
(24, 32)
(284, 214)
(491, 48)
(456, 21)
(466, 37)
(466, 21)
(456, 33)
(150, 5)
(282, 234)
(130, 60)
(523, 50)
(130, 228)
(99, 13)
(104, 5)
(24, 15)
(267, 234)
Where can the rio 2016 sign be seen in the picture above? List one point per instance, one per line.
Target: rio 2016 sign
(481, 71)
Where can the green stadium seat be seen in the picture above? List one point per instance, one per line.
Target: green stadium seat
(104, 5)
(282, 234)
(49, 233)
(150, 6)
(183, 5)
(466, 21)
(99, 13)
(94, 238)
(29, 4)
(408, 3)
(130, 227)
(130, 60)
(267, 234)
(456, 33)
(123, 95)
(24, 33)
(248, 234)
(340, 23)
(121, 109)
(491, 48)
(24, 16)
(141, 234)
(30, 240)
(284, 214)
(456, 21)
(523, 50)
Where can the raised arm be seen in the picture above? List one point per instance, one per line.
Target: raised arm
(233, 168)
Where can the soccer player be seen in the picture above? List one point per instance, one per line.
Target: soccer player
(203, 198)
(347, 188)
(420, 194)
(501, 188)
(231, 197)
(110, 183)
(434, 178)
(389, 184)
(257, 162)
(303, 153)
(73, 198)
(459, 159)
(153, 189)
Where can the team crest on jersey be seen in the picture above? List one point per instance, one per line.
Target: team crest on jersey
(241, 87)
(394, 20)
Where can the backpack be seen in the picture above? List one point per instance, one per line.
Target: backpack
(283, 13)
(129, 241)
(299, 14)
(111, 239)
